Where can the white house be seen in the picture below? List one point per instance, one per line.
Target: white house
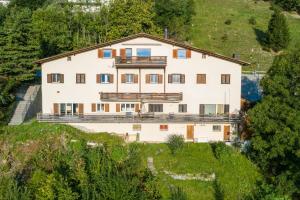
(144, 87)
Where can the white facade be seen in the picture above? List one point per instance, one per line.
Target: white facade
(193, 94)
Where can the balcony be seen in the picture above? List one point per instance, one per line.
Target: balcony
(141, 97)
(135, 61)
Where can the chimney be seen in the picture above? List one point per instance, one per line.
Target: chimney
(236, 56)
(166, 34)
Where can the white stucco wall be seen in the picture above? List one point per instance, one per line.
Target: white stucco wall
(213, 92)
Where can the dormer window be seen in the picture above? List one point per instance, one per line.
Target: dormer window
(107, 53)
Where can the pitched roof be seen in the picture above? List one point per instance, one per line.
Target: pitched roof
(145, 35)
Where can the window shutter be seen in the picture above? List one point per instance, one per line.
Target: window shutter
(188, 53)
(226, 109)
(123, 53)
(147, 78)
(170, 78)
(106, 107)
(135, 78)
(100, 53)
(175, 55)
(228, 78)
(123, 78)
(202, 109)
(137, 107)
(114, 53)
(160, 78)
(201, 78)
(61, 78)
(55, 109)
(80, 108)
(93, 107)
(49, 78)
(117, 107)
(111, 78)
(182, 78)
(98, 78)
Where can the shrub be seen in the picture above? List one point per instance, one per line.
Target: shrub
(176, 193)
(224, 38)
(228, 22)
(252, 21)
(175, 143)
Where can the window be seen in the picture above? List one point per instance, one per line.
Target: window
(105, 78)
(80, 78)
(226, 109)
(153, 78)
(155, 108)
(216, 128)
(69, 109)
(163, 127)
(100, 107)
(63, 109)
(181, 53)
(128, 52)
(182, 108)
(223, 109)
(207, 109)
(225, 78)
(107, 53)
(143, 52)
(129, 78)
(127, 107)
(176, 78)
(201, 78)
(55, 78)
(136, 127)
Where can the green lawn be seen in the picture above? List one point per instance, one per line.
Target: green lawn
(236, 175)
(210, 32)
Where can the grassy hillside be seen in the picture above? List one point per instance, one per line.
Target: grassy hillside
(236, 176)
(210, 31)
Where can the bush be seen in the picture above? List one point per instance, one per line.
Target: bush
(175, 143)
(177, 194)
(228, 22)
(252, 21)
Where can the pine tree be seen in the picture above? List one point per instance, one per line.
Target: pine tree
(278, 36)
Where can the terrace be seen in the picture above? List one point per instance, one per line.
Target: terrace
(137, 61)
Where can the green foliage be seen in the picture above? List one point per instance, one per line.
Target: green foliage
(252, 20)
(275, 127)
(175, 143)
(278, 36)
(288, 5)
(228, 21)
(176, 15)
(176, 193)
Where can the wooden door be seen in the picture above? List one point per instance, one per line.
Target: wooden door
(80, 108)
(226, 133)
(190, 132)
(56, 109)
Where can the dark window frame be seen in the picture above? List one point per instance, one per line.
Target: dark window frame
(225, 78)
(80, 78)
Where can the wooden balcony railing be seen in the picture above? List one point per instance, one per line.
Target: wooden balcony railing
(157, 97)
(158, 61)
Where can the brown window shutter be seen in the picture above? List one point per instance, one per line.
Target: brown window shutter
(62, 79)
(201, 78)
(117, 107)
(137, 107)
(56, 109)
(182, 78)
(49, 78)
(147, 78)
(160, 78)
(175, 55)
(123, 78)
(188, 53)
(111, 78)
(202, 109)
(98, 78)
(123, 53)
(80, 108)
(135, 78)
(106, 107)
(93, 107)
(114, 53)
(170, 78)
(100, 53)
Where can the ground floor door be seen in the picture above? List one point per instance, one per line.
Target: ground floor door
(226, 133)
(190, 132)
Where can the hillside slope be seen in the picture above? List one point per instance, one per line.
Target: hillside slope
(210, 32)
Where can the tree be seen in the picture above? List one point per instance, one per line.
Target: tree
(278, 36)
(288, 5)
(275, 125)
